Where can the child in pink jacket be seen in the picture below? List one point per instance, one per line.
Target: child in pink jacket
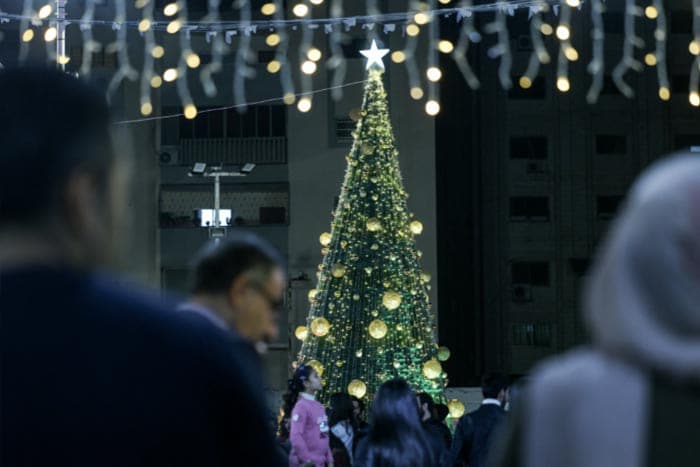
(309, 431)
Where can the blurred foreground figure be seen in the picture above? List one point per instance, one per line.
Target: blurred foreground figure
(94, 373)
(633, 399)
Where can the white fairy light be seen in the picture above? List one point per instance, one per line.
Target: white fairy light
(502, 48)
(217, 50)
(694, 93)
(125, 70)
(539, 53)
(459, 55)
(596, 66)
(660, 49)
(147, 74)
(281, 55)
(630, 42)
(243, 70)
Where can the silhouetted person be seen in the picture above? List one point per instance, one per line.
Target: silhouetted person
(631, 398)
(396, 437)
(474, 434)
(94, 373)
(438, 443)
(342, 428)
(440, 413)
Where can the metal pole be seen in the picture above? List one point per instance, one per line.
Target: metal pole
(217, 190)
(61, 33)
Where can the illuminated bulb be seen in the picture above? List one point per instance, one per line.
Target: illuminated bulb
(193, 60)
(412, 30)
(421, 18)
(416, 93)
(190, 111)
(433, 73)
(146, 108)
(156, 81)
(289, 98)
(651, 12)
(573, 3)
(300, 10)
(28, 35)
(445, 46)
(571, 54)
(313, 54)
(664, 93)
(563, 84)
(170, 75)
(694, 47)
(157, 51)
(140, 3)
(144, 24)
(445, 2)
(304, 104)
(432, 107)
(170, 9)
(273, 66)
(694, 99)
(173, 26)
(650, 59)
(45, 11)
(563, 32)
(525, 82)
(308, 67)
(398, 56)
(63, 59)
(50, 34)
(268, 9)
(316, 2)
(546, 29)
(272, 39)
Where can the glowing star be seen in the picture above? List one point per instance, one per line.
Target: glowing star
(374, 55)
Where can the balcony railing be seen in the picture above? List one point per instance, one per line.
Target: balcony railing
(270, 150)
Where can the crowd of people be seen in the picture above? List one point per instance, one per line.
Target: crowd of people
(94, 372)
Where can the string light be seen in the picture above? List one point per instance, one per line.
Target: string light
(631, 41)
(308, 67)
(63, 59)
(300, 10)
(416, 93)
(573, 3)
(421, 18)
(190, 111)
(141, 3)
(546, 29)
(89, 45)
(432, 107)
(650, 59)
(193, 60)
(288, 98)
(597, 63)
(272, 39)
(156, 81)
(539, 53)
(170, 75)
(571, 54)
(171, 9)
(173, 26)
(304, 104)
(316, 2)
(459, 55)
(217, 51)
(45, 11)
(313, 54)
(242, 69)
(144, 25)
(525, 82)
(28, 35)
(412, 30)
(563, 84)
(146, 109)
(398, 56)
(50, 34)
(158, 51)
(434, 74)
(664, 93)
(268, 9)
(502, 49)
(694, 47)
(445, 46)
(693, 91)
(651, 12)
(563, 33)
(694, 99)
(125, 70)
(273, 66)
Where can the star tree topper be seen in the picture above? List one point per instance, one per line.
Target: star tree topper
(374, 55)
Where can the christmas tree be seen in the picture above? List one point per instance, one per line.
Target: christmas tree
(370, 318)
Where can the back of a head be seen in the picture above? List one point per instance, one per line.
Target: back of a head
(51, 124)
(492, 384)
(220, 263)
(340, 408)
(642, 297)
(396, 436)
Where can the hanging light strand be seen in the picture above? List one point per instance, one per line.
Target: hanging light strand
(596, 67)
(467, 34)
(23, 26)
(243, 70)
(125, 69)
(539, 53)
(631, 41)
(147, 73)
(502, 48)
(410, 60)
(660, 34)
(337, 61)
(694, 93)
(308, 66)
(432, 105)
(218, 48)
(563, 33)
(90, 46)
(286, 81)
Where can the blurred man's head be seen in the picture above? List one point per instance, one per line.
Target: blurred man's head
(242, 278)
(56, 177)
(493, 386)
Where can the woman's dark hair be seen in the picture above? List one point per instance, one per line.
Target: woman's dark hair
(340, 408)
(396, 436)
(294, 387)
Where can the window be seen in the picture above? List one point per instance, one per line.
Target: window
(529, 208)
(606, 206)
(530, 272)
(532, 334)
(528, 147)
(260, 121)
(611, 144)
(343, 129)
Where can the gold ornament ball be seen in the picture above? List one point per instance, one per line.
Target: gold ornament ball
(312, 295)
(456, 408)
(432, 369)
(416, 227)
(373, 224)
(443, 353)
(357, 388)
(425, 277)
(316, 365)
(325, 239)
(338, 270)
(320, 327)
(301, 332)
(377, 329)
(391, 300)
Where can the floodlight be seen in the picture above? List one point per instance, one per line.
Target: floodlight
(198, 168)
(247, 168)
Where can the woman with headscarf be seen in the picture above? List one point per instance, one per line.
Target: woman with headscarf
(632, 398)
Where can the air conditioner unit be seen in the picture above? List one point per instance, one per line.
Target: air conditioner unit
(521, 293)
(169, 155)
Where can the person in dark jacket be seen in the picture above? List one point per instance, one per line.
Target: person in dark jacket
(474, 433)
(95, 372)
(440, 413)
(426, 409)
